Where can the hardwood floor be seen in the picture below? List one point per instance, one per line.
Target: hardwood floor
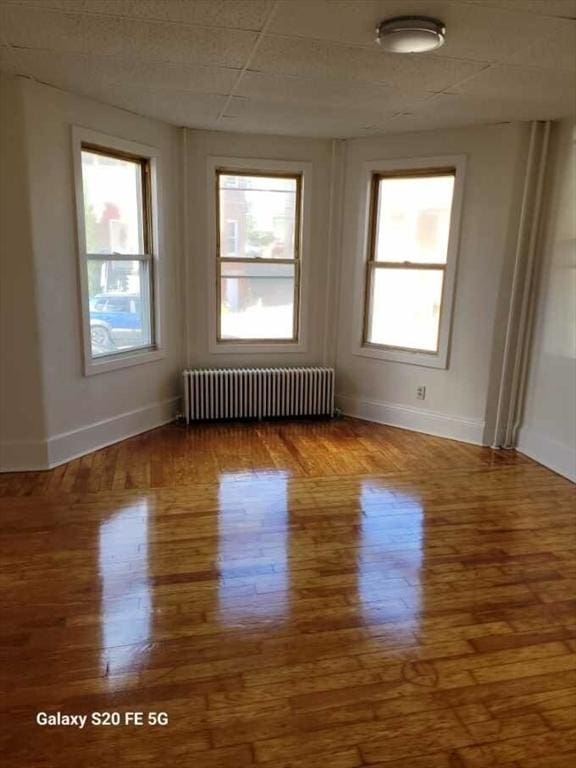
(291, 595)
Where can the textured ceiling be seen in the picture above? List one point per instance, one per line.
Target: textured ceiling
(299, 67)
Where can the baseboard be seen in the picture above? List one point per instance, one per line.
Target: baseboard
(414, 419)
(59, 449)
(555, 455)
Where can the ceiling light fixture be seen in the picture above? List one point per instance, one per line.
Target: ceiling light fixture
(410, 34)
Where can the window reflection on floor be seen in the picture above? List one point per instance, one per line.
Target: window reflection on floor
(253, 587)
(126, 596)
(390, 557)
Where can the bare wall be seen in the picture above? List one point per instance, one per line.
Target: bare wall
(22, 423)
(548, 432)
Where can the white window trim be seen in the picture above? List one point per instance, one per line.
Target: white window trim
(251, 164)
(155, 351)
(439, 359)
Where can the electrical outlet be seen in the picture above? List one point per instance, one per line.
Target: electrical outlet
(420, 393)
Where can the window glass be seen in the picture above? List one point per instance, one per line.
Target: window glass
(231, 240)
(413, 219)
(263, 210)
(257, 300)
(119, 301)
(113, 220)
(406, 308)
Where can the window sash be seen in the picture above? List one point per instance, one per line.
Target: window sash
(266, 175)
(147, 307)
(296, 301)
(146, 202)
(373, 264)
(296, 261)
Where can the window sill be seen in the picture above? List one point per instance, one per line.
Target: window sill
(389, 355)
(104, 364)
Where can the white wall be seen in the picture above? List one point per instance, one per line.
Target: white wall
(22, 426)
(548, 432)
(457, 399)
(321, 255)
(82, 413)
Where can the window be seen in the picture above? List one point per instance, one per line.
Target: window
(258, 256)
(409, 256)
(117, 254)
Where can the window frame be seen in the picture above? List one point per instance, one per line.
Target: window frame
(147, 158)
(235, 166)
(419, 167)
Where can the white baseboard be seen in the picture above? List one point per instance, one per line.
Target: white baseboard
(414, 419)
(555, 455)
(58, 449)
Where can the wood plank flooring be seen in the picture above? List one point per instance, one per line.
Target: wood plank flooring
(292, 595)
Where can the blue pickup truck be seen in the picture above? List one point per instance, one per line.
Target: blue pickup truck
(115, 321)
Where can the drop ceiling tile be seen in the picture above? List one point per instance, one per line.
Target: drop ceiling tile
(553, 51)
(238, 14)
(182, 77)
(547, 89)
(447, 110)
(296, 125)
(181, 108)
(305, 91)
(473, 32)
(424, 122)
(123, 37)
(116, 37)
(154, 41)
(320, 59)
(558, 8)
(342, 20)
(74, 6)
(367, 115)
(8, 62)
(174, 107)
(320, 120)
(29, 27)
(69, 70)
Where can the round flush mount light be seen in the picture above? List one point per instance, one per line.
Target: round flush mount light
(410, 34)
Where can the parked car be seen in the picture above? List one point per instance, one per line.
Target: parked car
(114, 317)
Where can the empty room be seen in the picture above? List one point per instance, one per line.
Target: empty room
(287, 383)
